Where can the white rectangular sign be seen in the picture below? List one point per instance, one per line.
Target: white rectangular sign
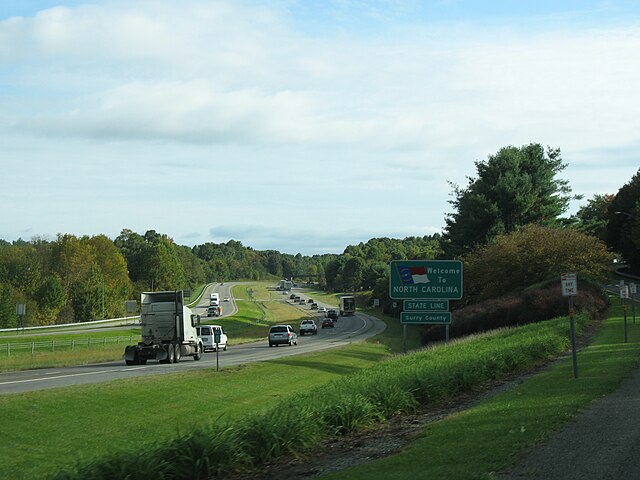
(569, 284)
(632, 288)
(624, 291)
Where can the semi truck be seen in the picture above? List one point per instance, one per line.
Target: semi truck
(285, 285)
(168, 330)
(347, 305)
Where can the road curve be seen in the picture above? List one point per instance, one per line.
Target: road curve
(347, 330)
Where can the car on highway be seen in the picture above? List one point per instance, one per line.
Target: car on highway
(310, 300)
(292, 296)
(308, 327)
(322, 309)
(327, 323)
(208, 335)
(282, 335)
(332, 314)
(314, 306)
(213, 311)
(225, 299)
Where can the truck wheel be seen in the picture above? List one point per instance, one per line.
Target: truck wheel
(171, 354)
(198, 354)
(225, 347)
(178, 353)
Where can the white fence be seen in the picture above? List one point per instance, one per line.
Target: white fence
(53, 346)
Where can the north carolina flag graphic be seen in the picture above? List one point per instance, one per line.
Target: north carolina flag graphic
(413, 275)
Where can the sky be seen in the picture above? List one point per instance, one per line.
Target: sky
(299, 126)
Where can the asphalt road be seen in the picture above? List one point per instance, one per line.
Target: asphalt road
(347, 330)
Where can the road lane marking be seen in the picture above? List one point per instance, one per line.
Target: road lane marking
(67, 376)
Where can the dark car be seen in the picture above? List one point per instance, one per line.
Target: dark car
(314, 306)
(327, 322)
(292, 296)
(310, 300)
(332, 314)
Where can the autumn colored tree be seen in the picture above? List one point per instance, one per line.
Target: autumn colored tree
(530, 256)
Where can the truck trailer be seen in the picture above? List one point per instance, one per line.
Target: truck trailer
(347, 305)
(168, 330)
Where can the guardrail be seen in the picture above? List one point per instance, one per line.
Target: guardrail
(53, 346)
(124, 321)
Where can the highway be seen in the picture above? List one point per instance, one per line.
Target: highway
(347, 330)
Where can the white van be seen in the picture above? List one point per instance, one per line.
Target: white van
(206, 333)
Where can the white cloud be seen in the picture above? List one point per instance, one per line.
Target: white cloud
(146, 88)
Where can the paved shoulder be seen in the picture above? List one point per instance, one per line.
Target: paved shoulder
(600, 444)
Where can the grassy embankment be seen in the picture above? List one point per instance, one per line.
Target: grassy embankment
(490, 437)
(54, 348)
(297, 423)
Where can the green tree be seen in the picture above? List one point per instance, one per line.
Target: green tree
(513, 188)
(7, 307)
(623, 228)
(52, 298)
(593, 217)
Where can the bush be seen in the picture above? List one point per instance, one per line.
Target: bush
(531, 306)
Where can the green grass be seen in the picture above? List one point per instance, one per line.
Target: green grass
(358, 400)
(48, 430)
(492, 436)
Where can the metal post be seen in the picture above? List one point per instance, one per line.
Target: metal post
(404, 338)
(626, 336)
(33, 348)
(574, 353)
(217, 357)
(446, 334)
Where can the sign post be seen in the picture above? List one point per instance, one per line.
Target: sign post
(632, 292)
(570, 289)
(624, 295)
(21, 311)
(216, 339)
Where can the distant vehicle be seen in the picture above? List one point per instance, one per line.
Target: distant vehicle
(308, 326)
(310, 300)
(347, 305)
(168, 330)
(215, 296)
(302, 301)
(292, 296)
(332, 314)
(327, 323)
(314, 306)
(208, 335)
(296, 298)
(225, 299)
(214, 302)
(284, 285)
(322, 309)
(213, 311)
(282, 335)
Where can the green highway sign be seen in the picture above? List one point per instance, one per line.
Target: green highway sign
(425, 280)
(433, 318)
(425, 305)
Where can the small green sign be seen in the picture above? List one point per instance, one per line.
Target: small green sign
(425, 305)
(425, 279)
(433, 318)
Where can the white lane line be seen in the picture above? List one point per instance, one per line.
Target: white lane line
(67, 376)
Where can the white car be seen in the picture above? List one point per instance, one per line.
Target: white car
(207, 334)
(308, 326)
(322, 309)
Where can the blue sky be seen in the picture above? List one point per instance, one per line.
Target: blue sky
(299, 126)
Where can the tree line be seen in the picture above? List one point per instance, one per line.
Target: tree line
(508, 225)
